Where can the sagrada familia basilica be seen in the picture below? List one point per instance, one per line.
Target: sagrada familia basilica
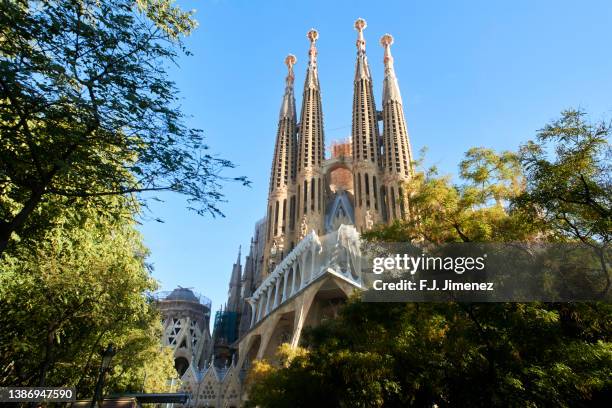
(304, 259)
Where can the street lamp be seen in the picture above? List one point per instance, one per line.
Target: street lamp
(107, 356)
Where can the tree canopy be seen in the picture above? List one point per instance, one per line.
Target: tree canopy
(66, 294)
(87, 108)
(89, 119)
(474, 354)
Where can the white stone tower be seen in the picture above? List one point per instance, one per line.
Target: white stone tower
(281, 196)
(311, 151)
(305, 256)
(397, 157)
(365, 136)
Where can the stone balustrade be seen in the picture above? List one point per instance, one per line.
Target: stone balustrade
(337, 253)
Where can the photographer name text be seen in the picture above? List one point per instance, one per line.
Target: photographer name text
(426, 263)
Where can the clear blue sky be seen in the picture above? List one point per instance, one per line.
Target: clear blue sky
(472, 73)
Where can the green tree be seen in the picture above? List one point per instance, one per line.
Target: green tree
(451, 355)
(87, 109)
(476, 210)
(477, 355)
(66, 294)
(569, 176)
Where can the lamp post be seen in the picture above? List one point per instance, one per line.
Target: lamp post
(107, 356)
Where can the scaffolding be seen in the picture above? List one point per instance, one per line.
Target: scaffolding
(226, 327)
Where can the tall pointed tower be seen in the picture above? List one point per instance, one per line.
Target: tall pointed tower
(281, 197)
(235, 287)
(365, 136)
(397, 155)
(309, 189)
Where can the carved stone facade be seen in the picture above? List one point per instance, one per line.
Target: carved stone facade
(370, 169)
(305, 258)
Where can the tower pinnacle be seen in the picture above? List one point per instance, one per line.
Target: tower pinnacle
(386, 41)
(284, 162)
(360, 25)
(362, 70)
(309, 190)
(288, 105)
(313, 36)
(365, 135)
(290, 61)
(397, 156)
(312, 77)
(390, 88)
(233, 301)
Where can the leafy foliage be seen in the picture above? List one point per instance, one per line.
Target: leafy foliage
(398, 355)
(87, 109)
(65, 294)
(569, 177)
(343, 378)
(473, 211)
(477, 355)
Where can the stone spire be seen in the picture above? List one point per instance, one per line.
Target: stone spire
(288, 105)
(284, 161)
(312, 75)
(362, 70)
(239, 255)
(283, 171)
(397, 156)
(235, 286)
(365, 128)
(311, 147)
(311, 151)
(391, 90)
(365, 136)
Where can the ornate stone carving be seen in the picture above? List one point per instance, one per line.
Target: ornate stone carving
(346, 252)
(369, 220)
(303, 228)
(274, 248)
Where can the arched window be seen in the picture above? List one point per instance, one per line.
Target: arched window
(269, 222)
(312, 194)
(292, 212)
(284, 215)
(401, 202)
(359, 189)
(393, 203)
(384, 202)
(276, 218)
(375, 190)
(306, 196)
(181, 365)
(297, 204)
(367, 189)
(320, 196)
